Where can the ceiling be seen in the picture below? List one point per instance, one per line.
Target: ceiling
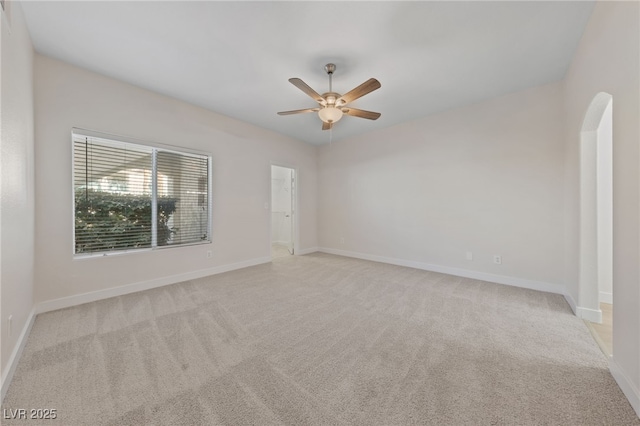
(235, 58)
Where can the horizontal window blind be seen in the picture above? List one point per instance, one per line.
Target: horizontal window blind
(131, 196)
(184, 178)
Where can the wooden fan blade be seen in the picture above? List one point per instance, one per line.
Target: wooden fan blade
(354, 112)
(308, 90)
(326, 126)
(299, 111)
(366, 87)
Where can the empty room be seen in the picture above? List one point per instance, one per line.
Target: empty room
(320, 213)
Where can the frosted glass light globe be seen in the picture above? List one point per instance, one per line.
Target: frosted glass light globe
(330, 114)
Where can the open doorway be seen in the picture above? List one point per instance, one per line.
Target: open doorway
(283, 192)
(596, 221)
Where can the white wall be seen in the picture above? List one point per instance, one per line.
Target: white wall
(486, 178)
(2, 365)
(17, 181)
(607, 60)
(605, 205)
(67, 96)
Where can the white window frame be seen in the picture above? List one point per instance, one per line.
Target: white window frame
(79, 132)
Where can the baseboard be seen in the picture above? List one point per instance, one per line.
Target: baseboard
(571, 302)
(79, 299)
(16, 354)
(306, 251)
(626, 385)
(592, 315)
(499, 279)
(605, 297)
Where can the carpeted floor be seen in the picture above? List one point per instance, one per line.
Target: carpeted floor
(319, 339)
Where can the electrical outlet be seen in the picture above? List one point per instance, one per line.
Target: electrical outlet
(10, 325)
(209, 254)
(341, 240)
(469, 255)
(497, 259)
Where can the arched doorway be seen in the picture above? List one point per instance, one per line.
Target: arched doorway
(596, 229)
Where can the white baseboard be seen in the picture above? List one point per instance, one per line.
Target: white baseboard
(626, 385)
(592, 315)
(571, 302)
(78, 299)
(16, 354)
(306, 251)
(499, 279)
(605, 297)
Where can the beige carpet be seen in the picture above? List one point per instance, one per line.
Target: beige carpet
(319, 339)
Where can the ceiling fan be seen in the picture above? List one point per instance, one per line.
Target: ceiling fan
(332, 104)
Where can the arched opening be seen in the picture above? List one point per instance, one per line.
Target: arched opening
(596, 217)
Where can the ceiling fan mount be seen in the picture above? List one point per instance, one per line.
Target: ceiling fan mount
(330, 68)
(332, 105)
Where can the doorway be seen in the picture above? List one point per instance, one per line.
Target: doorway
(283, 193)
(596, 221)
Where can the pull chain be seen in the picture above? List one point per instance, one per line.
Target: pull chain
(330, 135)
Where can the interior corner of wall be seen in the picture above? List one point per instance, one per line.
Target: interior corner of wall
(571, 301)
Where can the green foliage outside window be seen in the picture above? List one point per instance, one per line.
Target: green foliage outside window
(105, 221)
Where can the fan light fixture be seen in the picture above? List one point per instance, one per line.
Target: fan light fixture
(330, 114)
(332, 105)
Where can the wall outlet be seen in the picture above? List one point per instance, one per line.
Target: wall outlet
(209, 254)
(10, 325)
(497, 259)
(341, 240)
(469, 255)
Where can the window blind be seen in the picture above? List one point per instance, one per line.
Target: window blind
(184, 178)
(130, 196)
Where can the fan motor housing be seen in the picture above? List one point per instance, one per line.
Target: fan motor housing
(331, 97)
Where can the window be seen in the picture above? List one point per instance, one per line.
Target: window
(131, 196)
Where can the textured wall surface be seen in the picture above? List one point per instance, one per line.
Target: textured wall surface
(17, 152)
(486, 178)
(608, 60)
